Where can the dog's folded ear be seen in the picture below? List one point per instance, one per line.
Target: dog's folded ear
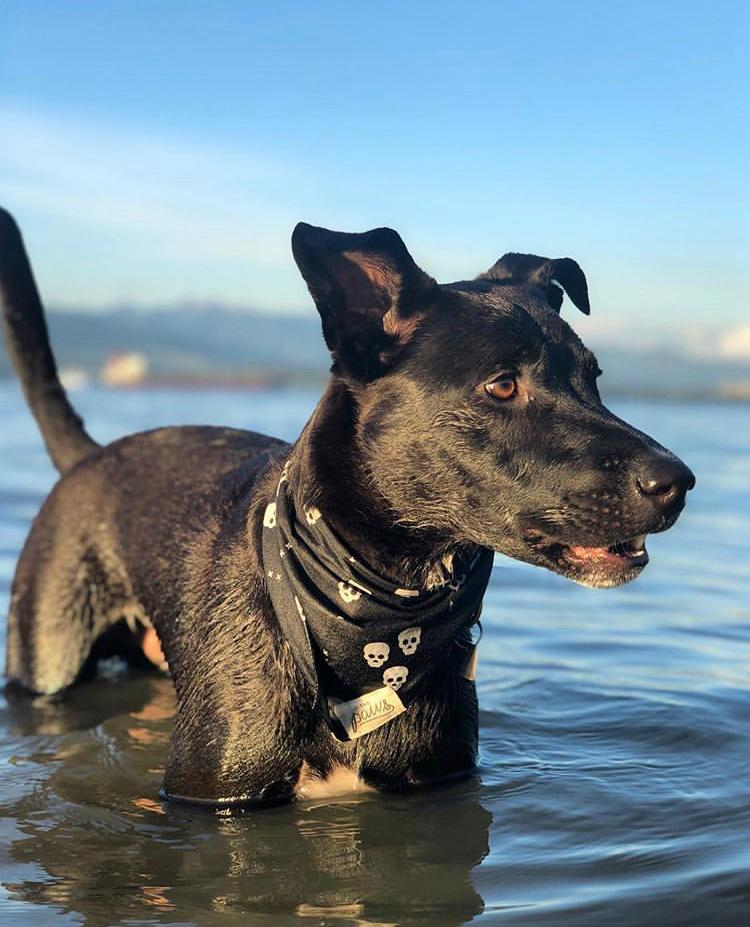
(370, 294)
(544, 273)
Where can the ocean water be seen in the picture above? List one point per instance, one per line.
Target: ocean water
(614, 784)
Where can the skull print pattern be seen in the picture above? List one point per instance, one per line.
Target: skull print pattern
(409, 640)
(356, 623)
(376, 654)
(395, 676)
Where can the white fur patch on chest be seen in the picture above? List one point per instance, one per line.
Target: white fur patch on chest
(339, 781)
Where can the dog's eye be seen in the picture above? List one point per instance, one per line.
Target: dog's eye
(502, 388)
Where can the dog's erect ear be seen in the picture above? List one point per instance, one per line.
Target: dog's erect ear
(544, 273)
(369, 292)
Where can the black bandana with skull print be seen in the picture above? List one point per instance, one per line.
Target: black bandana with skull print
(349, 625)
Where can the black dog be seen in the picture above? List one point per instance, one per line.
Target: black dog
(285, 582)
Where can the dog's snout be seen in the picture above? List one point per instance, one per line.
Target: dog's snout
(665, 480)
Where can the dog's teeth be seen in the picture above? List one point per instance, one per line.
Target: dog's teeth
(638, 542)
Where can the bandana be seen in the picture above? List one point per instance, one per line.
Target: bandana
(350, 630)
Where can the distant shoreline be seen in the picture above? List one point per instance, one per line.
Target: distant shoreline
(274, 381)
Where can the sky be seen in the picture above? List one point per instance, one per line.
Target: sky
(155, 152)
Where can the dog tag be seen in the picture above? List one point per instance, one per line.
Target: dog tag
(470, 669)
(368, 712)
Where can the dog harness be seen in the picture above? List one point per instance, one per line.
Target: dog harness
(353, 632)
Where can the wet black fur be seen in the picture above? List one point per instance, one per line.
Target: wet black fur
(407, 456)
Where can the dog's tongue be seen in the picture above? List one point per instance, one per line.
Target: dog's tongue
(592, 554)
(632, 549)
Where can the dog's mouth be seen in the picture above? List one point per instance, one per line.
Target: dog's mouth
(621, 555)
(601, 566)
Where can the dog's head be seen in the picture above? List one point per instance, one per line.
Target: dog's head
(478, 410)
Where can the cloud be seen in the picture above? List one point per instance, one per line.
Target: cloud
(734, 344)
(197, 201)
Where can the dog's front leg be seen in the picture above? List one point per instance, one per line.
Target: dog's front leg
(239, 733)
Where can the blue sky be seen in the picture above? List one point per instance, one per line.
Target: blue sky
(157, 151)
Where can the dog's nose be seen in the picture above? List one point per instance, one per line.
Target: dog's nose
(665, 480)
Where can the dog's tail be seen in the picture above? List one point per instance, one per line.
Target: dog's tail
(28, 347)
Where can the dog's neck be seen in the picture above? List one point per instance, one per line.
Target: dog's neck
(327, 469)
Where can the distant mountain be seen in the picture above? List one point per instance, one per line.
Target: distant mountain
(666, 372)
(210, 341)
(190, 341)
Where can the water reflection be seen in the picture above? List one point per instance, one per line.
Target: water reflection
(85, 706)
(93, 842)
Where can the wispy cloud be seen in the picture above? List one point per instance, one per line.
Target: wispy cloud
(191, 201)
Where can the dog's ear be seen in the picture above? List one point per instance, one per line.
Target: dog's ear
(544, 273)
(370, 294)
